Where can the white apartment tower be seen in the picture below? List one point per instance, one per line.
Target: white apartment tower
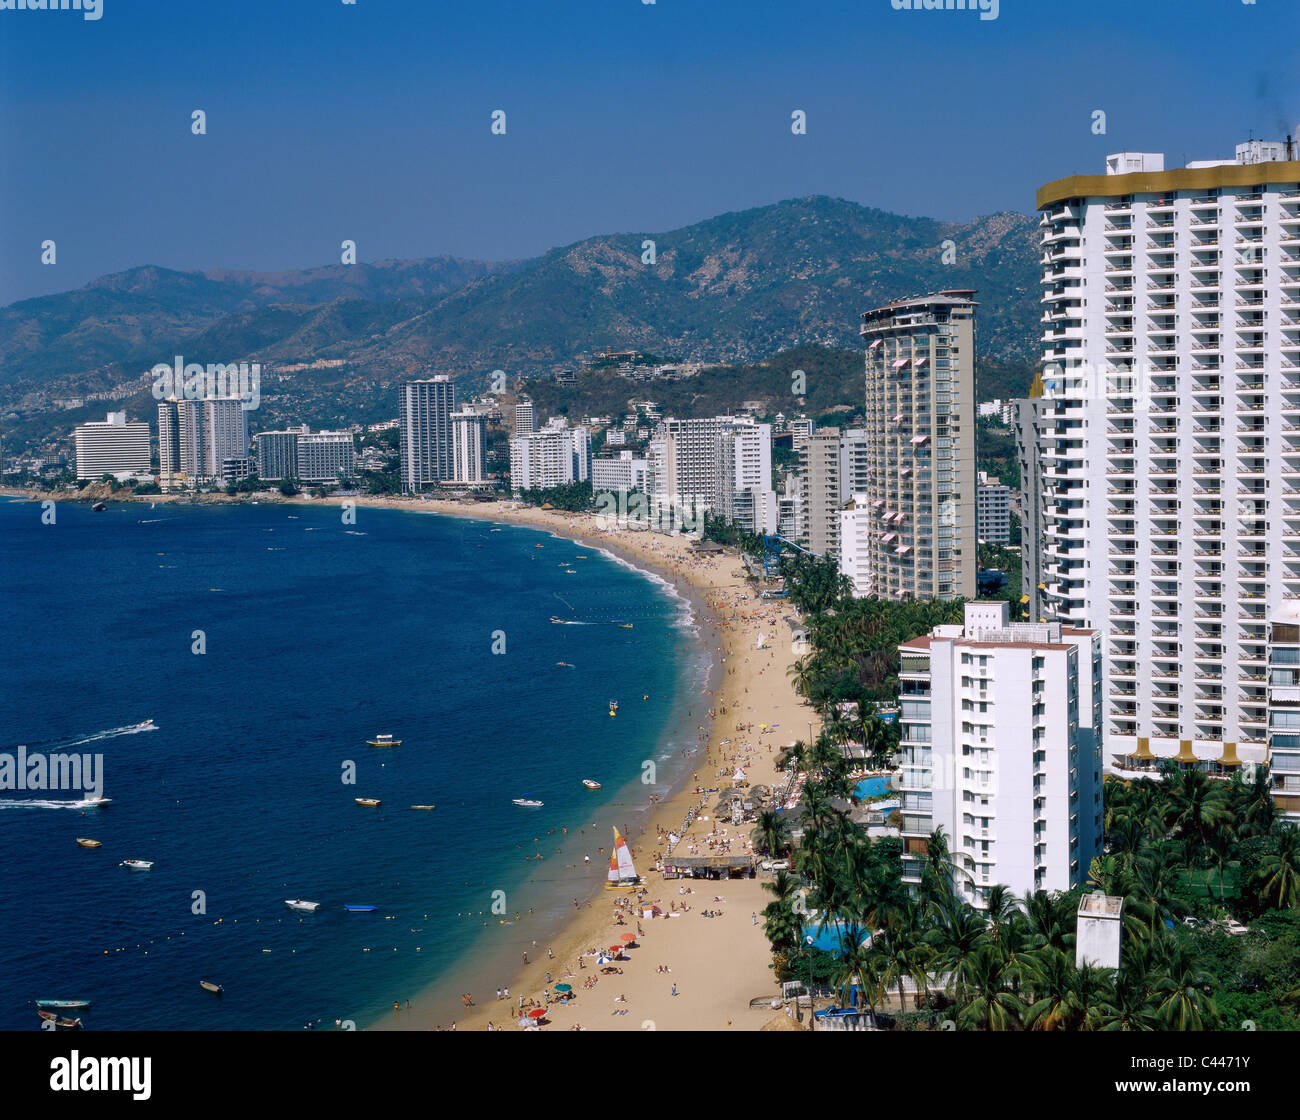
(992, 510)
(469, 446)
(116, 446)
(1171, 440)
(225, 433)
(819, 478)
(1001, 750)
(921, 432)
(424, 417)
(525, 419)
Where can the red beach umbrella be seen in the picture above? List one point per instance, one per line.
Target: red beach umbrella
(537, 1013)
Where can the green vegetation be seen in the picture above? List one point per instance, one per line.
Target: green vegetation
(995, 451)
(854, 641)
(1187, 852)
(572, 496)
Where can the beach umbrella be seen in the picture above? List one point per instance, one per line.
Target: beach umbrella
(537, 1013)
(564, 987)
(628, 937)
(523, 1023)
(602, 960)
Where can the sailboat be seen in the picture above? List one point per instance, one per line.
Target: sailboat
(621, 872)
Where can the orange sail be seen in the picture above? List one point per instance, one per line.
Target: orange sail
(620, 861)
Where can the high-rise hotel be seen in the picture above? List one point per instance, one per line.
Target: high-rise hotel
(1170, 445)
(921, 447)
(424, 419)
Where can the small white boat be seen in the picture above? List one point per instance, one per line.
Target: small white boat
(590, 784)
(427, 808)
(301, 904)
(209, 986)
(527, 803)
(137, 864)
(369, 802)
(95, 802)
(383, 741)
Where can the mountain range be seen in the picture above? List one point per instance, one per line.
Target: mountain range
(736, 288)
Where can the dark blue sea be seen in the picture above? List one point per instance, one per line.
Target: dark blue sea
(316, 635)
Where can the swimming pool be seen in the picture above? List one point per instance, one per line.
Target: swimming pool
(873, 787)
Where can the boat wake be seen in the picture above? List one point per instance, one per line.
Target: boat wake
(95, 737)
(41, 803)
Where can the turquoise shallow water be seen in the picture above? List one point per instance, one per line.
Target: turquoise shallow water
(317, 635)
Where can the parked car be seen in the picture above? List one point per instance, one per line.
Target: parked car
(776, 865)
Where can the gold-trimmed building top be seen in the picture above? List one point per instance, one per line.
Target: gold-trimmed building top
(1159, 182)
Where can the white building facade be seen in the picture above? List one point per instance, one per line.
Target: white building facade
(116, 446)
(1001, 750)
(1171, 457)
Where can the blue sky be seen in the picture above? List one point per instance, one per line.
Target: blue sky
(371, 121)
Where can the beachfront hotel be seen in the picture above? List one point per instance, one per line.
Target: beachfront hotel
(115, 446)
(1001, 749)
(424, 416)
(469, 446)
(819, 478)
(1170, 444)
(277, 453)
(326, 458)
(197, 437)
(920, 398)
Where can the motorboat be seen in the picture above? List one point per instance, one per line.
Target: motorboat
(209, 986)
(96, 802)
(137, 864)
(369, 802)
(590, 784)
(302, 904)
(527, 802)
(383, 741)
(85, 843)
(358, 908)
(426, 808)
(613, 707)
(63, 1004)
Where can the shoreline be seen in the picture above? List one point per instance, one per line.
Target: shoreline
(713, 966)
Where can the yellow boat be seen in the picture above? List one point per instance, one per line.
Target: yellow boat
(590, 784)
(87, 843)
(383, 741)
(369, 802)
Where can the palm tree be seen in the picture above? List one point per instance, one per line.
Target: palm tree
(1258, 808)
(773, 832)
(993, 1006)
(1051, 979)
(1184, 1002)
(1277, 879)
(956, 936)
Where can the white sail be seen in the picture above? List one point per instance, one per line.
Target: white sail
(620, 861)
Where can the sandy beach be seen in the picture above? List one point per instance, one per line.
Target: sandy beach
(689, 971)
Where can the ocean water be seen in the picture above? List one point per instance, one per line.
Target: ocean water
(315, 635)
